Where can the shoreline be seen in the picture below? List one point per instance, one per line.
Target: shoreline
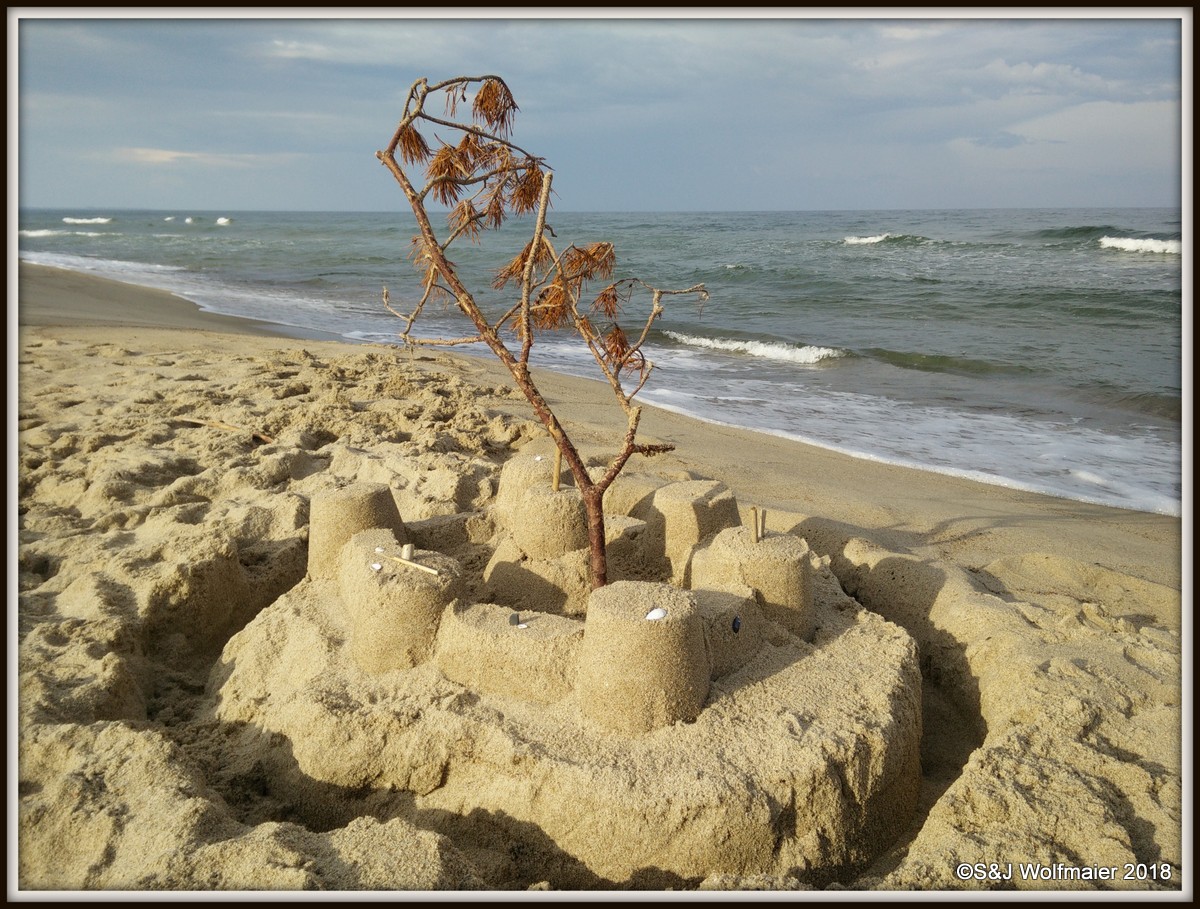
(95, 304)
(52, 296)
(912, 507)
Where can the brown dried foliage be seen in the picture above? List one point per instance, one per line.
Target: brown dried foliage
(465, 219)
(413, 147)
(620, 354)
(597, 260)
(515, 269)
(553, 306)
(527, 187)
(495, 106)
(608, 302)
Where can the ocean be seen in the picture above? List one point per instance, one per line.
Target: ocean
(1036, 349)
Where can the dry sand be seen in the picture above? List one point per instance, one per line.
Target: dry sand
(930, 672)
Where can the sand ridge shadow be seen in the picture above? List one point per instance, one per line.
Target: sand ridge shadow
(902, 589)
(506, 853)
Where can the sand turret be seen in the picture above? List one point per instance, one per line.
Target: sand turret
(393, 599)
(777, 568)
(682, 515)
(335, 515)
(643, 663)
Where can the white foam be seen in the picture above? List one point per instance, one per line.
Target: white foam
(65, 233)
(943, 441)
(855, 241)
(87, 220)
(805, 356)
(115, 268)
(223, 220)
(1128, 244)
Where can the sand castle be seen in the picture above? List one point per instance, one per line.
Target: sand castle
(642, 653)
(627, 724)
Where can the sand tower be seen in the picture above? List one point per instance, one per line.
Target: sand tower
(551, 523)
(532, 466)
(394, 599)
(335, 515)
(684, 514)
(777, 568)
(643, 662)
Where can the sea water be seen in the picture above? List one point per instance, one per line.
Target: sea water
(1036, 349)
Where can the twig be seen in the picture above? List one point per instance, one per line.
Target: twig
(218, 424)
(428, 568)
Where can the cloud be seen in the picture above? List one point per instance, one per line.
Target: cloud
(670, 108)
(299, 50)
(168, 157)
(1103, 139)
(1001, 139)
(1113, 130)
(1053, 78)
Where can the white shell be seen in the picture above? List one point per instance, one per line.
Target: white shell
(655, 614)
(379, 549)
(537, 457)
(522, 625)
(375, 566)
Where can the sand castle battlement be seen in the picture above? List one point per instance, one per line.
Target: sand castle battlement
(641, 651)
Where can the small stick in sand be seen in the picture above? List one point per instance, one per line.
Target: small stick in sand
(754, 523)
(557, 469)
(762, 517)
(218, 424)
(428, 568)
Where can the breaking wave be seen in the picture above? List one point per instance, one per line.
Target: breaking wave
(1129, 244)
(806, 355)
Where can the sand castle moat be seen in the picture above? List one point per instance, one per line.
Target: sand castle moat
(707, 712)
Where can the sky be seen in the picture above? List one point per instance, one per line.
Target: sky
(739, 111)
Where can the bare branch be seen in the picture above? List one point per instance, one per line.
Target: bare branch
(486, 177)
(442, 342)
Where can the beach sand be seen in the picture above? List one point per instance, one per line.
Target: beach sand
(909, 672)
